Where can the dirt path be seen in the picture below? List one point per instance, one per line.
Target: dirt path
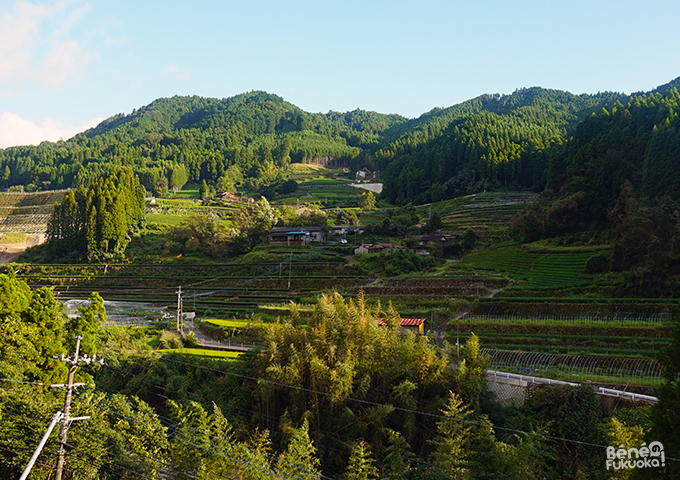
(439, 331)
(10, 251)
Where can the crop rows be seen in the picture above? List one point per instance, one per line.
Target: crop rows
(33, 223)
(30, 199)
(539, 270)
(28, 212)
(551, 308)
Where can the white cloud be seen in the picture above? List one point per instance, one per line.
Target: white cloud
(65, 61)
(18, 31)
(15, 130)
(35, 45)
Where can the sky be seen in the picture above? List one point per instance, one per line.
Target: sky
(65, 65)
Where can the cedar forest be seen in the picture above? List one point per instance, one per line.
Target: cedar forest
(328, 392)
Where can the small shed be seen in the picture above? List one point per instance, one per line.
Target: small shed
(415, 325)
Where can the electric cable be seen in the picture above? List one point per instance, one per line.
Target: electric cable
(223, 440)
(407, 410)
(193, 444)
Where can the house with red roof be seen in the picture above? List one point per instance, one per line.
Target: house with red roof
(415, 325)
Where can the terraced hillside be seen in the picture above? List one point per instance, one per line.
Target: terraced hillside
(27, 212)
(538, 268)
(488, 214)
(231, 287)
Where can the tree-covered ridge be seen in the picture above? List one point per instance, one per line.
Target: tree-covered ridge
(489, 142)
(183, 139)
(638, 142)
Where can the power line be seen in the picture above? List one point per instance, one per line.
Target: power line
(190, 443)
(221, 439)
(279, 265)
(407, 410)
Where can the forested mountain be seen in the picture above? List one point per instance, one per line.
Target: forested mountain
(184, 139)
(490, 142)
(619, 174)
(638, 141)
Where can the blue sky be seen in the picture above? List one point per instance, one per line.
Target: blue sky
(67, 64)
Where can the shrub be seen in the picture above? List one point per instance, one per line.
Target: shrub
(396, 263)
(597, 264)
(469, 239)
(190, 339)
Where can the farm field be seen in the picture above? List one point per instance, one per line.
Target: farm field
(603, 327)
(534, 298)
(202, 352)
(27, 212)
(488, 214)
(234, 323)
(548, 269)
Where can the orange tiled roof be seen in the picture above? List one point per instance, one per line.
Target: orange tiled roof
(406, 322)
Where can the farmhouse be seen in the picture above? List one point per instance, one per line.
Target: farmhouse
(339, 229)
(426, 243)
(377, 248)
(415, 325)
(296, 236)
(229, 196)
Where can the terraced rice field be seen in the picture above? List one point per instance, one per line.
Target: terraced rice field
(615, 331)
(27, 212)
(536, 269)
(488, 214)
(230, 288)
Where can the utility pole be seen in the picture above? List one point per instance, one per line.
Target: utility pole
(179, 309)
(66, 418)
(290, 268)
(458, 340)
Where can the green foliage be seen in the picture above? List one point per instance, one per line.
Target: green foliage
(453, 433)
(97, 222)
(208, 235)
(468, 239)
(343, 352)
(289, 186)
(86, 325)
(367, 202)
(396, 262)
(190, 339)
(435, 222)
(470, 376)
(397, 456)
(575, 415)
(361, 465)
(299, 460)
(490, 141)
(33, 328)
